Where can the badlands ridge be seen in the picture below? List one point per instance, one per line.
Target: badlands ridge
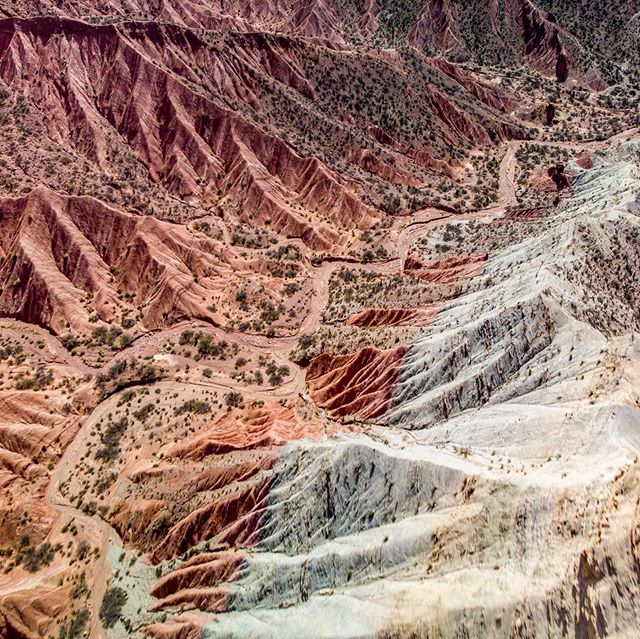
(319, 319)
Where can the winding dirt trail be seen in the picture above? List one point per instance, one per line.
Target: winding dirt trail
(402, 236)
(100, 533)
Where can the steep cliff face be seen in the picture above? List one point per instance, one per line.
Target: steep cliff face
(69, 258)
(210, 117)
(508, 32)
(517, 399)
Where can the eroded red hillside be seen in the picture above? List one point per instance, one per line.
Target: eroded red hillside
(243, 247)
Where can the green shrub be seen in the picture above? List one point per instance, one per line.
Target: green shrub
(70, 341)
(34, 558)
(233, 399)
(111, 608)
(76, 626)
(197, 406)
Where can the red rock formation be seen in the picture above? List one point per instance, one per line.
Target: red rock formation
(207, 569)
(164, 513)
(550, 114)
(205, 599)
(198, 116)
(211, 486)
(393, 317)
(133, 520)
(436, 27)
(33, 613)
(422, 157)
(547, 46)
(244, 430)
(562, 68)
(186, 626)
(584, 160)
(232, 519)
(527, 214)
(34, 430)
(65, 248)
(486, 93)
(199, 582)
(541, 41)
(196, 147)
(559, 177)
(359, 384)
(316, 19)
(446, 270)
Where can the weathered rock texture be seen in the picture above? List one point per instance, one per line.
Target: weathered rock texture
(319, 319)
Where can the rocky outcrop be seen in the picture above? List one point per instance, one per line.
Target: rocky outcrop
(550, 114)
(359, 384)
(30, 614)
(62, 249)
(393, 317)
(207, 569)
(446, 270)
(542, 41)
(559, 177)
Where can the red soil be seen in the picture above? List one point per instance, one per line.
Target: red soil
(359, 384)
(393, 316)
(446, 270)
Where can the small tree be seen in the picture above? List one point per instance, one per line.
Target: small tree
(112, 603)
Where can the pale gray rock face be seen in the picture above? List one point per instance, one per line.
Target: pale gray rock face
(498, 496)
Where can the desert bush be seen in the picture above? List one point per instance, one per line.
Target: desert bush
(111, 608)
